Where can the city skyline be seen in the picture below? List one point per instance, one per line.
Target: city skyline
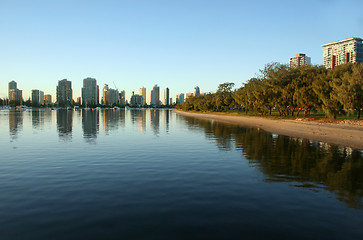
(172, 44)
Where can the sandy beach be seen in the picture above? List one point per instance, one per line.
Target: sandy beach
(346, 133)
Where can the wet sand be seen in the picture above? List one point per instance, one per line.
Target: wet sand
(346, 133)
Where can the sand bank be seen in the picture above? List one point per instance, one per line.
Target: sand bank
(344, 133)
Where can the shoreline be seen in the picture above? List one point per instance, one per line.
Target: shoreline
(343, 133)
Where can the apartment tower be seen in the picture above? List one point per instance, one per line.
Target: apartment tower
(155, 96)
(64, 92)
(37, 97)
(344, 51)
(299, 60)
(166, 97)
(142, 92)
(89, 92)
(196, 91)
(14, 94)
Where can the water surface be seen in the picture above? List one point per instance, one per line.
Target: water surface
(153, 174)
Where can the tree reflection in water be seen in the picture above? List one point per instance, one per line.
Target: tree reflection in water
(303, 163)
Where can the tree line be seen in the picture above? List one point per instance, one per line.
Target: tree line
(289, 90)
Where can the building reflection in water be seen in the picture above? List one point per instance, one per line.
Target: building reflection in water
(112, 119)
(304, 163)
(38, 118)
(141, 120)
(90, 125)
(15, 123)
(155, 121)
(64, 124)
(166, 119)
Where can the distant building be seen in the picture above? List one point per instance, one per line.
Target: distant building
(166, 96)
(344, 51)
(98, 95)
(15, 94)
(299, 60)
(110, 96)
(47, 98)
(37, 97)
(142, 92)
(64, 92)
(179, 98)
(89, 92)
(155, 96)
(196, 91)
(136, 99)
(188, 95)
(122, 97)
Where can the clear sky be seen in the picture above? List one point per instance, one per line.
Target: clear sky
(178, 44)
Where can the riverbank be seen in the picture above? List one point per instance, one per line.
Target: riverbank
(346, 133)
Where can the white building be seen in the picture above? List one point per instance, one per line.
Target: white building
(344, 51)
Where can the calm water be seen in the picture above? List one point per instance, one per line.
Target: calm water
(157, 175)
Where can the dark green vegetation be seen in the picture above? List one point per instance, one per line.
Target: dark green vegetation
(289, 91)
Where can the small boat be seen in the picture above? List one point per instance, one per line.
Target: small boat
(21, 108)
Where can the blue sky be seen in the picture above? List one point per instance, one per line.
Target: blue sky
(175, 44)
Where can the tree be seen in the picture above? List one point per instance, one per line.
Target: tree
(304, 96)
(322, 88)
(223, 96)
(347, 84)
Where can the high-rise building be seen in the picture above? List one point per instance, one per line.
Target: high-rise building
(122, 97)
(196, 91)
(344, 51)
(89, 92)
(179, 98)
(299, 60)
(64, 92)
(47, 98)
(155, 96)
(136, 99)
(166, 96)
(104, 93)
(37, 97)
(98, 95)
(110, 96)
(12, 85)
(15, 94)
(142, 92)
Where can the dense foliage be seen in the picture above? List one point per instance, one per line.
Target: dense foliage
(289, 91)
